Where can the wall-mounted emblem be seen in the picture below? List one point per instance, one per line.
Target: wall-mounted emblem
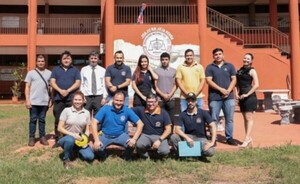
(156, 41)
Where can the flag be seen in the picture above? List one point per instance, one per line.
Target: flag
(141, 15)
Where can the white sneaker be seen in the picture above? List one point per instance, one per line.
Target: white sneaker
(220, 127)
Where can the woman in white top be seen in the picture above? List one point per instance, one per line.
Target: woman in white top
(74, 121)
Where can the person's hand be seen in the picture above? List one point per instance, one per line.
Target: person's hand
(27, 104)
(144, 98)
(224, 92)
(113, 88)
(156, 144)
(131, 142)
(103, 101)
(50, 103)
(243, 96)
(64, 93)
(208, 145)
(77, 137)
(166, 97)
(190, 142)
(97, 145)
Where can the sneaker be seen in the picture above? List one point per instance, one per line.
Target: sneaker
(220, 127)
(231, 142)
(67, 164)
(31, 141)
(44, 141)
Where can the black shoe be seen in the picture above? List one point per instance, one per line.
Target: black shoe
(231, 142)
(67, 164)
(31, 141)
(56, 145)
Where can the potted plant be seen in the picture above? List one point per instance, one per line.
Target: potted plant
(18, 74)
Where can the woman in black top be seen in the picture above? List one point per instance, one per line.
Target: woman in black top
(143, 81)
(247, 83)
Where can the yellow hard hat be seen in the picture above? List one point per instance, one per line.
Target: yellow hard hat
(84, 141)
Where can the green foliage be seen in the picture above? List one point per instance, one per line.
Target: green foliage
(18, 74)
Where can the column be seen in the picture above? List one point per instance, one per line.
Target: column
(252, 20)
(31, 35)
(202, 26)
(295, 49)
(273, 13)
(109, 31)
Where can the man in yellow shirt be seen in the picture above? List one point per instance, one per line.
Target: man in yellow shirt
(190, 77)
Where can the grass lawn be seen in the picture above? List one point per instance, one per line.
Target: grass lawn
(43, 165)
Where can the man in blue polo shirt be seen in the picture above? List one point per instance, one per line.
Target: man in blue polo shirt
(113, 119)
(65, 80)
(157, 127)
(221, 78)
(118, 77)
(191, 127)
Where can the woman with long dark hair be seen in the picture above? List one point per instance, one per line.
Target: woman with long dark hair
(247, 83)
(143, 81)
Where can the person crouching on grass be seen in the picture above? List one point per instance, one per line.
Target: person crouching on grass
(73, 122)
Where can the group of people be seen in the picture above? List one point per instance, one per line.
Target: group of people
(95, 101)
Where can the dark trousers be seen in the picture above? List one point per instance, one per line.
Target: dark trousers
(169, 107)
(58, 107)
(37, 114)
(93, 102)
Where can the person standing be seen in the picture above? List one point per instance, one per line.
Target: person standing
(93, 84)
(37, 99)
(221, 79)
(165, 85)
(247, 83)
(73, 122)
(143, 81)
(112, 120)
(190, 77)
(191, 127)
(118, 77)
(157, 128)
(65, 80)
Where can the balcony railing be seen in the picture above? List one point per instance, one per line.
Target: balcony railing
(157, 14)
(248, 36)
(13, 26)
(68, 26)
(262, 36)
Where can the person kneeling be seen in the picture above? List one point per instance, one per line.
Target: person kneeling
(191, 127)
(113, 124)
(74, 121)
(157, 127)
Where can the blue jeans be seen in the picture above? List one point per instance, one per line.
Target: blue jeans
(228, 107)
(37, 113)
(120, 140)
(68, 144)
(183, 104)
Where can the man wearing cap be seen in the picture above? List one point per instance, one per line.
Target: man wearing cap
(157, 127)
(191, 126)
(190, 77)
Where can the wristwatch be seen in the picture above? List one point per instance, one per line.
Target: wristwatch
(160, 139)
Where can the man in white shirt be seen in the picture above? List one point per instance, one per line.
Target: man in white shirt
(93, 84)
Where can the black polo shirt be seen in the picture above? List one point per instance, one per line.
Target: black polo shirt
(222, 77)
(194, 124)
(146, 85)
(154, 124)
(118, 75)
